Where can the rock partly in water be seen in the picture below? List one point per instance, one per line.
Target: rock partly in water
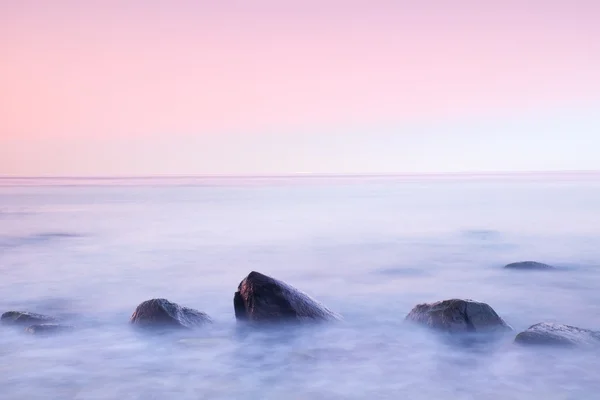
(163, 313)
(48, 329)
(546, 333)
(261, 298)
(458, 316)
(25, 318)
(529, 266)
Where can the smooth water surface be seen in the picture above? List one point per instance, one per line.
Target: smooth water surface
(370, 249)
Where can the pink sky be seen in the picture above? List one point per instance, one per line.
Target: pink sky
(73, 71)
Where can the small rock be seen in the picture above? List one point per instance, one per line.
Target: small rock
(25, 318)
(48, 329)
(261, 298)
(547, 333)
(163, 313)
(529, 265)
(458, 316)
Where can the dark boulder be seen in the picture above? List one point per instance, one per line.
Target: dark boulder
(25, 318)
(48, 329)
(529, 266)
(458, 316)
(163, 313)
(260, 298)
(546, 333)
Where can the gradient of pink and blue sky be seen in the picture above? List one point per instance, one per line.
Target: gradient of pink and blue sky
(275, 87)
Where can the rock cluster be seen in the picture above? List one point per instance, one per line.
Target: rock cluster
(262, 299)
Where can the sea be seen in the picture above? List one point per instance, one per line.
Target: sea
(370, 248)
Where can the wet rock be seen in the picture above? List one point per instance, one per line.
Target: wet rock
(529, 266)
(163, 313)
(458, 316)
(546, 333)
(48, 329)
(261, 298)
(25, 318)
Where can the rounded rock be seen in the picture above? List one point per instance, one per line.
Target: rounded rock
(163, 313)
(546, 333)
(261, 298)
(529, 266)
(25, 318)
(458, 316)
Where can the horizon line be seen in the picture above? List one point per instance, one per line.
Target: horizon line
(308, 175)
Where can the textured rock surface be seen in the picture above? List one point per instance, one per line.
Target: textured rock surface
(546, 333)
(25, 318)
(458, 315)
(163, 313)
(261, 298)
(529, 265)
(48, 329)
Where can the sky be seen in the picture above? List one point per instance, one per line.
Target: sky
(124, 88)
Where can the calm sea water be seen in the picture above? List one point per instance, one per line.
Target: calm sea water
(369, 248)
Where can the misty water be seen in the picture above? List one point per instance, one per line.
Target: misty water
(90, 251)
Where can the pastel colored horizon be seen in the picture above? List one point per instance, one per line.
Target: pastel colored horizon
(273, 87)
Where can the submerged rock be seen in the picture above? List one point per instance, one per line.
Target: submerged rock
(260, 298)
(546, 333)
(529, 265)
(48, 329)
(458, 316)
(163, 313)
(25, 318)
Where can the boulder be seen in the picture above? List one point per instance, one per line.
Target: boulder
(48, 329)
(547, 333)
(529, 266)
(163, 313)
(25, 318)
(458, 316)
(260, 298)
